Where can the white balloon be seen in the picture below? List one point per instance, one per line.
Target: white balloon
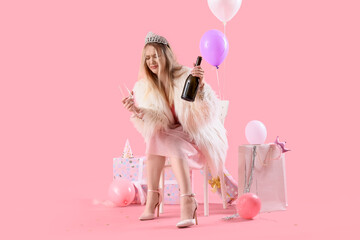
(224, 10)
(255, 132)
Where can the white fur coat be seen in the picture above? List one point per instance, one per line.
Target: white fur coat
(200, 119)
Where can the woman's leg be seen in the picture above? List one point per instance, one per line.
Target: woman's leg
(154, 166)
(181, 170)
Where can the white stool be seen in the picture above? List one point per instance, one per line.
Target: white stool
(206, 186)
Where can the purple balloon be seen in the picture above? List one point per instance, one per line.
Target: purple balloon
(214, 47)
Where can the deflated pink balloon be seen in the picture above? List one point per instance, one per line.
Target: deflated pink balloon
(248, 205)
(121, 192)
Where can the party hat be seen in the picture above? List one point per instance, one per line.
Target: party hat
(127, 153)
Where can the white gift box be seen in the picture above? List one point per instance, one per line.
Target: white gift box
(134, 170)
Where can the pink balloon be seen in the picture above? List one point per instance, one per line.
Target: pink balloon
(121, 192)
(255, 132)
(248, 205)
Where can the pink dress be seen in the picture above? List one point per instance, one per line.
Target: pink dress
(175, 143)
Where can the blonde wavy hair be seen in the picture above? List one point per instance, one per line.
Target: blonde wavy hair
(172, 69)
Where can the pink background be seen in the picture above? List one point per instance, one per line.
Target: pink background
(294, 65)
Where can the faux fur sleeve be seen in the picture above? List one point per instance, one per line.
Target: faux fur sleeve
(201, 119)
(153, 119)
(204, 110)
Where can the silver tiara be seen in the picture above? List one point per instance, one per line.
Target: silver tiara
(152, 37)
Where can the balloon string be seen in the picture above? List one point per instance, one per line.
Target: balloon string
(217, 76)
(224, 81)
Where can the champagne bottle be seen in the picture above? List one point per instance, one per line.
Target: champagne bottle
(191, 85)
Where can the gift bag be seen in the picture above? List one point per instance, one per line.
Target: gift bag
(262, 172)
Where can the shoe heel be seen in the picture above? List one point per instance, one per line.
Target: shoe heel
(158, 207)
(196, 217)
(160, 201)
(189, 222)
(195, 212)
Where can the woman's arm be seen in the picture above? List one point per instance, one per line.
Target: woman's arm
(204, 110)
(148, 119)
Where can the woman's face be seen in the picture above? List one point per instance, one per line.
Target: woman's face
(153, 61)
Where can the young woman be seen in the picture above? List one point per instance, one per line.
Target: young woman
(190, 134)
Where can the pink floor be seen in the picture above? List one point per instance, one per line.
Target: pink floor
(88, 221)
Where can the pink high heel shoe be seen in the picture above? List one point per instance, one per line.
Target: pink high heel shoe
(151, 216)
(192, 221)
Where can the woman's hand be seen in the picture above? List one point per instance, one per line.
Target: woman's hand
(129, 104)
(197, 71)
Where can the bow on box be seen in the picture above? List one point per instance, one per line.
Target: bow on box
(215, 184)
